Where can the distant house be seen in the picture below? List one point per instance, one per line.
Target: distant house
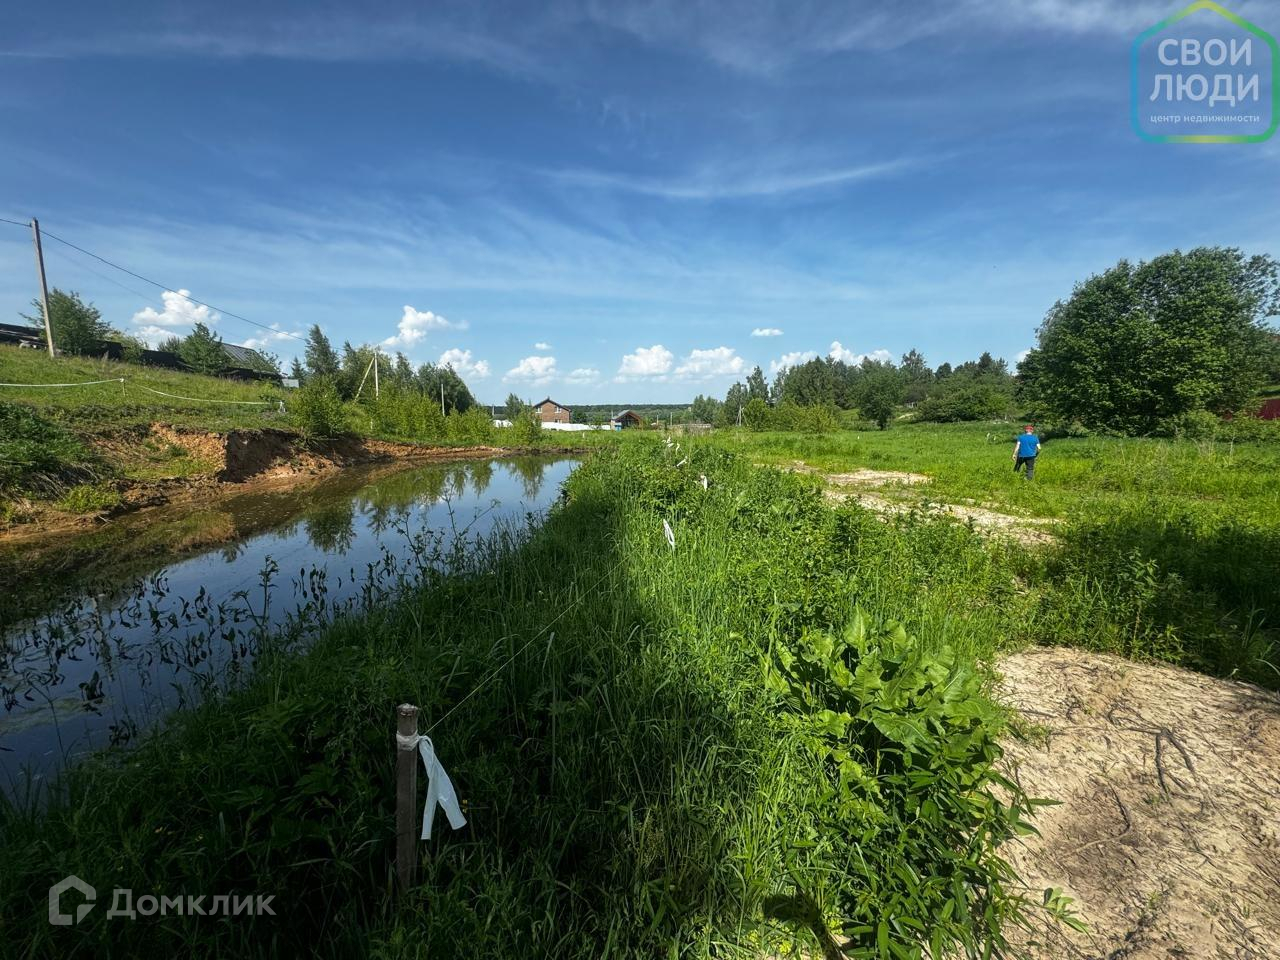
(1270, 410)
(23, 336)
(551, 412)
(626, 420)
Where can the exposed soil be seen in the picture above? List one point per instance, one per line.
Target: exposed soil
(1168, 832)
(239, 457)
(861, 486)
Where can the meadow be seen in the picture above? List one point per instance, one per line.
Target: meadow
(769, 732)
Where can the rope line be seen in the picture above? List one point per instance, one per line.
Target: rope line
(161, 393)
(506, 663)
(87, 383)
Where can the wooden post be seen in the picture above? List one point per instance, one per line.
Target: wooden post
(406, 795)
(44, 288)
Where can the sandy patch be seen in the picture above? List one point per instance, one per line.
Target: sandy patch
(1168, 832)
(1029, 531)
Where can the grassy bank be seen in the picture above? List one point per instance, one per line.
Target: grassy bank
(75, 448)
(693, 751)
(1165, 549)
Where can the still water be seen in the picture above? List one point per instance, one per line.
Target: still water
(103, 633)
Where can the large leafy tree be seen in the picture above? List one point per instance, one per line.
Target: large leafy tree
(201, 351)
(756, 385)
(77, 326)
(1142, 344)
(880, 391)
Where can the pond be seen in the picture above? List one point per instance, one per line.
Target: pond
(101, 634)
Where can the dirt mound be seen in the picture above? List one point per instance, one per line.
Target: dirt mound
(1168, 832)
(1029, 531)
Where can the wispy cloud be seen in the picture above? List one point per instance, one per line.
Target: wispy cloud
(766, 332)
(724, 184)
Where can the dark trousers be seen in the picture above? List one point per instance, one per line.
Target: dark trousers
(1031, 466)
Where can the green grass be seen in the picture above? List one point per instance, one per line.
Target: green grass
(672, 759)
(111, 405)
(1166, 549)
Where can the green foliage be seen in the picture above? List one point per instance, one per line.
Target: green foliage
(319, 356)
(526, 427)
(961, 397)
(1139, 346)
(202, 352)
(90, 498)
(36, 454)
(879, 393)
(317, 410)
(473, 426)
(913, 808)
(78, 327)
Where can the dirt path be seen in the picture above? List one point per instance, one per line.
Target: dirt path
(1168, 832)
(893, 492)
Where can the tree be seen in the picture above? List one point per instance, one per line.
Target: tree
(78, 327)
(296, 372)
(201, 351)
(881, 392)
(170, 344)
(515, 407)
(704, 409)
(734, 401)
(1139, 346)
(756, 385)
(319, 355)
(943, 371)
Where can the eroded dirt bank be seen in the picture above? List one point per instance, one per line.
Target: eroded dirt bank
(213, 463)
(1168, 831)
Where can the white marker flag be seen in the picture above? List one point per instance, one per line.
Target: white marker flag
(439, 787)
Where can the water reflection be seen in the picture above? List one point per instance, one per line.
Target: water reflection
(108, 636)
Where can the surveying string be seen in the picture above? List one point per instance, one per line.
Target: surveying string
(87, 383)
(506, 663)
(161, 393)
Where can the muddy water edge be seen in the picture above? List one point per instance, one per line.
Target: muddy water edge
(105, 631)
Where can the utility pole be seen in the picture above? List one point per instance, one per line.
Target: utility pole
(376, 391)
(44, 289)
(442, 413)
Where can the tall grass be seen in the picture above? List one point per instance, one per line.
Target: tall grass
(690, 752)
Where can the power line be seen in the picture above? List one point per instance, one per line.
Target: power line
(16, 223)
(100, 274)
(169, 289)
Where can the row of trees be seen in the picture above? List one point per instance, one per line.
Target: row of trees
(874, 388)
(350, 372)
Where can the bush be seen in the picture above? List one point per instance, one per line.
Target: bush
(1191, 425)
(973, 401)
(36, 454)
(316, 409)
(90, 498)
(474, 426)
(526, 428)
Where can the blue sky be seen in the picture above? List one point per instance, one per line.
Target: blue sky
(600, 200)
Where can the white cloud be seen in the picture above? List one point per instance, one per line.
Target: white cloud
(652, 361)
(1023, 355)
(793, 359)
(542, 346)
(766, 332)
(583, 375)
(416, 324)
(178, 312)
(707, 364)
(838, 352)
(268, 337)
(464, 365)
(537, 370)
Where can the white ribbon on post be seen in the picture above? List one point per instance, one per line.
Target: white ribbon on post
(439, 787)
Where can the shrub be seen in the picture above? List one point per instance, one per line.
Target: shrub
(473, 426)
(37, 454)
(526, 428)
(972, 401)
(89, 498)
(317, 410)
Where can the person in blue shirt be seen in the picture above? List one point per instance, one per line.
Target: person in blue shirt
(1025, 450)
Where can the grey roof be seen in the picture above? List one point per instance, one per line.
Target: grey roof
(243, 356)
